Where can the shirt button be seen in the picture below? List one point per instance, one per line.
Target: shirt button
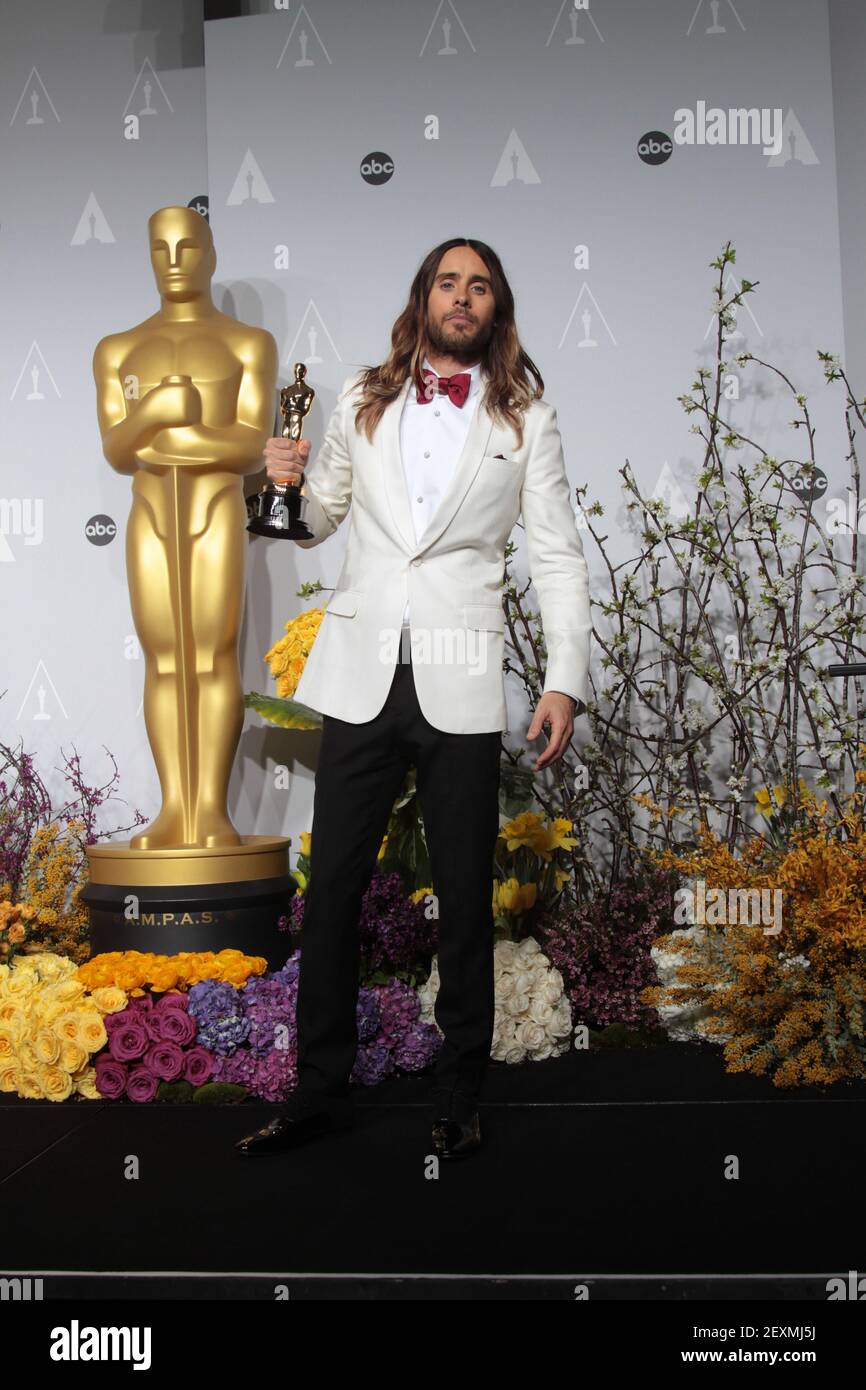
(435, 412)
(419, 499)
(427, 454)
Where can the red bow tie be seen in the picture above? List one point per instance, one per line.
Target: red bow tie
(455, 387)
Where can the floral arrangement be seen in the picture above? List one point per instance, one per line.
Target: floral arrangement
(532, 1017)
(213, 1028)
(286, 658)
(133, 971)
(397, 933)
(251, 1032)
(603, 949)
(789, 1004)
(682, 724)
(43, 860)
(528, 870)
(288, 655)
(51, 1028)
(152, 1040)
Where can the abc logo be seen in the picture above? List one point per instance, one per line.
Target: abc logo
(201, 205)
(377, 167)
(100, 530)
(809, 487)
(655, 147)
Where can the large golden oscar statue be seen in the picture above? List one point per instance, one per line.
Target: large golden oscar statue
(186, 402)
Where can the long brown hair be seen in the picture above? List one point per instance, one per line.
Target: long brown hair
(508, 391)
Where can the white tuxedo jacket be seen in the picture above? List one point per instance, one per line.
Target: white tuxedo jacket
(453, 577)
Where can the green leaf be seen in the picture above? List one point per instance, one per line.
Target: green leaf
(286, 714)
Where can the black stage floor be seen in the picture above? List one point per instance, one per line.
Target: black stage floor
(604, 1169)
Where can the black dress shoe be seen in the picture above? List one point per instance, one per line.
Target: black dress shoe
(456, 1138)
(292, 1127)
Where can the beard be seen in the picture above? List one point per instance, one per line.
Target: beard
(465, 344)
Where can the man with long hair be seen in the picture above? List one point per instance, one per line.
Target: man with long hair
(439, 449)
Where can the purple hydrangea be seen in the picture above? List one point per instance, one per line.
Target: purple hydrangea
(418, 1047)
(216, 1006)
(394, 933)
(399, 1007)
(269, 1006)
(238, 1068)
(368, 1014)
(373, 1062)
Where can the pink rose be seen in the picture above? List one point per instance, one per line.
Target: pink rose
(165, 1060)
(128, 1042)
(198, 1065)
(111, 1077)
(176, 1025)
(142, 1084)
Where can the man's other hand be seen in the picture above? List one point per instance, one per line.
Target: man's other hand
(556, 708)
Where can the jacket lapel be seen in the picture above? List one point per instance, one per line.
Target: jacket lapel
(394, 477)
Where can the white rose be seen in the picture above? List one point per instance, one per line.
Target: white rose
(516, 1004)
(560, 1022)
(531, 1035)
(540, 1011)
(503, 1027)
(505, 984)
(503, 1038)
(551, 991)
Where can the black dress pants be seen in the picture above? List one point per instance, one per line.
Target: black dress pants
(360, 774)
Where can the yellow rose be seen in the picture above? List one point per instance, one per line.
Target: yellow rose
(66, 1026)
(13, 1021)
(21, 984)
(28, 1056)
(8, 1076)
(108, 999)
(56, 1083)
(53, 967)
(51, 1012)
(85, 1085)
(70, 991)
(47, 1046)
(29, 1086)
(91, 1031)
(73, 1056)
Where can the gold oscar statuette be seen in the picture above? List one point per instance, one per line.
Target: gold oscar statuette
(184, 404)
(278, 510)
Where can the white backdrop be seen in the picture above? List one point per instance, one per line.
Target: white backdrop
(495, 125)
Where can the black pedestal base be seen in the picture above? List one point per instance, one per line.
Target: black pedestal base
(203, 917)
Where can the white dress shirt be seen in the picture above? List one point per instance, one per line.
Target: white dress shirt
(432, 436)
